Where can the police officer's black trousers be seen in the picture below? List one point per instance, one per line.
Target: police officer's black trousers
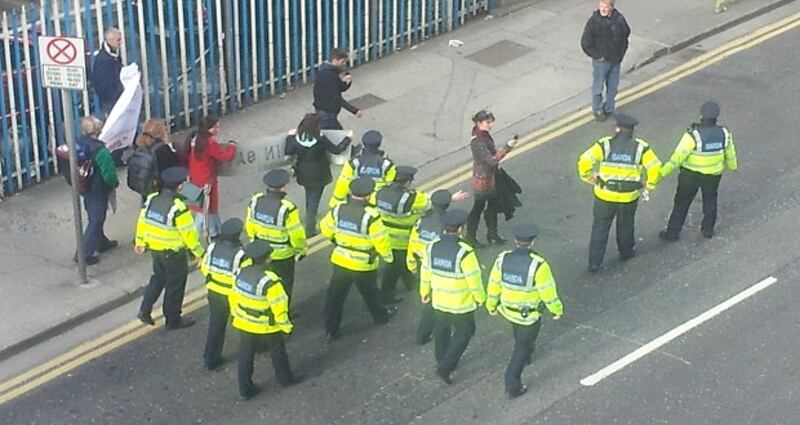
(524, 344)
(218, 313)
(397, 270)
(248, 346)
(285, 270)
(169, 274)
(604, 214)
(426, 323)
(689, 182)
(339, 287)
(451, 334)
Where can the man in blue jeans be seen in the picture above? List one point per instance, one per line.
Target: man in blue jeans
(605, 40)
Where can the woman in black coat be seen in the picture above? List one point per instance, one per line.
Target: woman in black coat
(312, 166)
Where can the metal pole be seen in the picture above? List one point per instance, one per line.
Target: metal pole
(73, 172)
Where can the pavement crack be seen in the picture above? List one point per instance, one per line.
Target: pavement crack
(634, 342)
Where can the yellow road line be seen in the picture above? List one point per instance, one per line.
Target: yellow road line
(133, 330)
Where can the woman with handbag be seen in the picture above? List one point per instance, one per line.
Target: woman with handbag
(312, 166)
(486, 158)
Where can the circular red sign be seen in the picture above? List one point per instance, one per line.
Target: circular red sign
(61, 51)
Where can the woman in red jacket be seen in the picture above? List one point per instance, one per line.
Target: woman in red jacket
(486, 159)
(205, 154)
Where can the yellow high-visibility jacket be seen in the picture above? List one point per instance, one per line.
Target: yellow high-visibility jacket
(369, 164)
(258, 302)
(451, 275)
(220, 265)
(621, 161)
(166, 224)
(355, 228)
(519, 281)
(428, 229)
(400, 209)
(703, 149)
(272, 217)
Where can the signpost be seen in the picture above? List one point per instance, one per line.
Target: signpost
(63, 67)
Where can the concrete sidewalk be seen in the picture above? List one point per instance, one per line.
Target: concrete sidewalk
(524, 64)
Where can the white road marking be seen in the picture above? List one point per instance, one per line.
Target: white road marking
(680, 330)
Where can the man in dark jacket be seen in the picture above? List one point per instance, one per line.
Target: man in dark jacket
(106, 69)
(605, 40)
(99, 187)
(330, 83)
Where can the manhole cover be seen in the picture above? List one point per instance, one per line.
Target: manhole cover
(367, 101)
(499, 54)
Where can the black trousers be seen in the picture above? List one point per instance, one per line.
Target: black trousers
(488, 207)
(169, 275)
(313, 198)
(249, 344)
(393, 272)
(604, 214)
(339, 287)
(426, 323)
(285, 270)
(218, 313)
(689, 182)
(451, 334)
(524, 345)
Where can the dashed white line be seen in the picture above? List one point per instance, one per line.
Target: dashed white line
(674, 333)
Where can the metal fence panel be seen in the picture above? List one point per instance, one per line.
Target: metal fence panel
(196, 57)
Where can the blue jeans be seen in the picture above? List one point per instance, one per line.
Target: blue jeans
(94, 239)
(328, 120)
(604, 74)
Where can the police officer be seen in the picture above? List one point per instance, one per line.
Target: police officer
(451, 281)
(703, 153)
(220, 265)
(260, 310)
(165, 227)
(614, 166)
(427, 229)
(275, 219)
(360, 239)
(371, 162)
(520, 281)
(400, 208)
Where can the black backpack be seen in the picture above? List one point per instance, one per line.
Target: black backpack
(143, 170)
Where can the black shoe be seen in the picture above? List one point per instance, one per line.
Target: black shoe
(109, 246)
(391, 300)
(424, 340)
(599, 116)
(444, 376)
(474, 242)
(183, 322)
(496, 239)
(627, 256)
(90, 261)
(708, 234)
(213, 364)
(666, 236)
(593, 268)
(145, 318)
(296, 379)
(514, 394)
(249, 393)
(390, 312)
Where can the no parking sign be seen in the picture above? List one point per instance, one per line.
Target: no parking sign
(62, 62)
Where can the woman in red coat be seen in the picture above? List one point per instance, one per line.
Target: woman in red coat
(486, 158)
(205, 154)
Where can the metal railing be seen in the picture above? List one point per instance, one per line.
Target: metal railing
(196, 57)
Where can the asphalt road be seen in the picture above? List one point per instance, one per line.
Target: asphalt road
(738, 368)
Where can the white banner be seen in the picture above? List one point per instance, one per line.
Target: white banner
(121, 124)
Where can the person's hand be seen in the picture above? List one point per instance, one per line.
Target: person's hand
(347, 77)
(493, 312)
(512, 142)
(197, 262)
(301, 257)
(359, 113)
(426, 299)
(349, 134)
(460, 196)
(292, 132)
(139, 250)
(646, 195)
(557, 317)
(233, 142)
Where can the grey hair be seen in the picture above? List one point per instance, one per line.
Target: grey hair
(91, 126)
(111, 31)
